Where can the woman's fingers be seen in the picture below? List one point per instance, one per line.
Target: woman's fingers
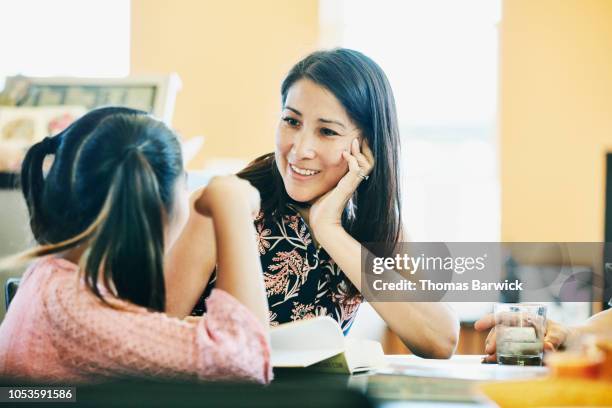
(351, 180)
(358, 164)
(485, 323)
(490, 348)
(365, 163)
(555, 335)
(491, 358)
(352, 162)
(367, 152)
(490, 342)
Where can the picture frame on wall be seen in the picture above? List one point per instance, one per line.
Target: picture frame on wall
(43, 106)
(22, 126)
(155, 94)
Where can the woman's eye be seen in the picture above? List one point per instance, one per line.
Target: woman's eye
(328, 132)
(291, 121)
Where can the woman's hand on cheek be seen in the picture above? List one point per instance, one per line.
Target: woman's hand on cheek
(360, 165)
(327, 210)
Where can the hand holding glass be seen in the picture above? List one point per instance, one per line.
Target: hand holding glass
(520, 330)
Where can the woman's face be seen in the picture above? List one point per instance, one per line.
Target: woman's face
(313, 132)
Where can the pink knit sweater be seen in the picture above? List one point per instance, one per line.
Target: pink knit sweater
(57, 331)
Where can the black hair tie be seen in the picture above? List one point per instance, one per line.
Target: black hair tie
(50, 144)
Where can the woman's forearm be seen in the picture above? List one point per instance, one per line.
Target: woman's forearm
(427, 329)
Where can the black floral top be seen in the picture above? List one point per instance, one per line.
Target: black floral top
(301, 279)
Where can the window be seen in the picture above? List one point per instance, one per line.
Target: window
(441, 57)
(65, 38)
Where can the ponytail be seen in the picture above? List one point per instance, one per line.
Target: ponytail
(130, 237)
(111, 188)
(32, 182)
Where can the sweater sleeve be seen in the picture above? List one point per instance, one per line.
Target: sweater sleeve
(98, 341)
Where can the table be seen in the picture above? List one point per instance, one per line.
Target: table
(410, 381)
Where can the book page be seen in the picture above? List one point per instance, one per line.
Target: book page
(319, 343)
(305, 342)
(363, 355)
(302, 358)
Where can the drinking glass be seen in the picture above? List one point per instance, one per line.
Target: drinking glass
(519, 331)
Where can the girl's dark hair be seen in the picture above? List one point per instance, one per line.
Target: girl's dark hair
(373, 214)
(111, 185)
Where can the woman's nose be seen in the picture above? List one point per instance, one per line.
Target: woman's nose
(303, 146)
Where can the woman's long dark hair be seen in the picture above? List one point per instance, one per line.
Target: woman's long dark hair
(362, 88)
(111, 186)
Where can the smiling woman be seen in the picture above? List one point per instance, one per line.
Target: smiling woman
(331, 185)
(337, 108)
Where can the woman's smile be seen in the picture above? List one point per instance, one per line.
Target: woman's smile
(302, 173)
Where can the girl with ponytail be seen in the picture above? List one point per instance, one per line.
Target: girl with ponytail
(92, 307)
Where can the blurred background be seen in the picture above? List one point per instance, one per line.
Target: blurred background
(505, 106)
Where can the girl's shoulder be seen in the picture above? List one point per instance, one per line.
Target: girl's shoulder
(49, 267)
(60, 286)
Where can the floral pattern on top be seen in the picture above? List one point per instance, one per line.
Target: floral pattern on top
(301, 279)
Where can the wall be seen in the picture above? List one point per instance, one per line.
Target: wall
(555, 118)
(15, 235)
(232, 56)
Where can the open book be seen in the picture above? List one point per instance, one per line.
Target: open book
(319, 344)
